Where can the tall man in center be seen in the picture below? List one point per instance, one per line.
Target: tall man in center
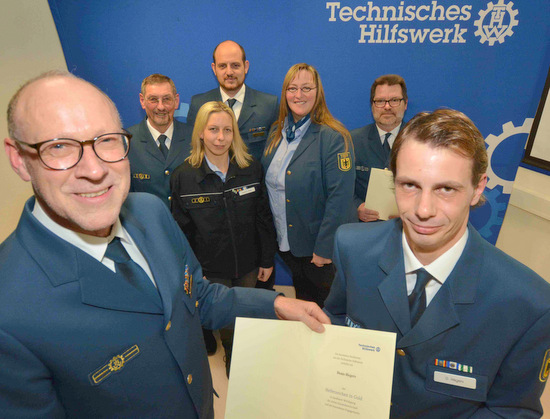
(373, 142)
(255, 111)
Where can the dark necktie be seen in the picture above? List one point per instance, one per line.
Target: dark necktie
(162, 145)
(386, 147)
(293, 126)
(231, 102)
(417, 300)
(130, 270)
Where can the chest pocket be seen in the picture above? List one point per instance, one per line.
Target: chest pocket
(451, 382)
(198, 201)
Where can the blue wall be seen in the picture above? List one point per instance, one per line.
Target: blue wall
(491, 65)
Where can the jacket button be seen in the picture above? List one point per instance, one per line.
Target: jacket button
(196, 303)
(189, 379)
(167, 172)
(290, 225)
(168, 326)
(288, 172)
(401, 352)
(169, 198)
(288, 200)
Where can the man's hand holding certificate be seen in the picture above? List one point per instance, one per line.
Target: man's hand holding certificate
(285, 370)
(380, 194)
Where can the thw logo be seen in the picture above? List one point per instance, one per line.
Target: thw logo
(496, 22)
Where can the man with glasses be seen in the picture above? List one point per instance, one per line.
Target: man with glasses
(255, 111)
(160, 143)
(388, 98)
(101, 298)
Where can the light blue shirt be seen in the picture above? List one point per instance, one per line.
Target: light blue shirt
(275, 182)
(215, 169)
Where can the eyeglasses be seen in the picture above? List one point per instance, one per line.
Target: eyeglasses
(167, 100)
(380, 103)
(304, 89)
(65, 153)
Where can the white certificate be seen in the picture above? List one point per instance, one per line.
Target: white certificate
(381, 193)
(282, 369)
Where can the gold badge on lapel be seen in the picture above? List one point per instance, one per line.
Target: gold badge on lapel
(344, 161)
(188, 284)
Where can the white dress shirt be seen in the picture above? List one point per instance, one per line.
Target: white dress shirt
(439, 269)
(239, 97)
(93, 245)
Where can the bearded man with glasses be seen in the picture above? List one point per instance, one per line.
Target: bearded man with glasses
(388, 98)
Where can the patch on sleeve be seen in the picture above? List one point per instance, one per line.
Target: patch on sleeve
(545, 369)
(344, 161)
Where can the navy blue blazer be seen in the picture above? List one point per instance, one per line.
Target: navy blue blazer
(149, 170)
(369, 153)
(319, 191)
(491, 314)
(260, 110)
(77, 341)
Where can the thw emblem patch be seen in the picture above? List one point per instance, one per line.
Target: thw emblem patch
(344, 161)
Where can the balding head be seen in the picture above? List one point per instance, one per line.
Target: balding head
(25, 96)
(87, 196)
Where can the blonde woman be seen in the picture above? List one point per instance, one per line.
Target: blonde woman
(220, 202)
(310, 177)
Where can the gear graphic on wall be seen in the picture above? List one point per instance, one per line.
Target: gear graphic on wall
(498, 209)
(492, 141)
(488, 36)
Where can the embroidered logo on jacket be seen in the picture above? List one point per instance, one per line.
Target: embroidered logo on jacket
(200, 200)
(114, 365)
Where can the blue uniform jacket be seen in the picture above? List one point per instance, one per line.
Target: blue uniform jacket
(77, 341)
(491, 314)
(319, 191)
(369, 153)
(259, 112)
(150, 171)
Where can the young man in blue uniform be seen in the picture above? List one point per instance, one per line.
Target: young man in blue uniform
(101, 298)
(159, 142)
(472, 324)
(255, 111)
(373, 142)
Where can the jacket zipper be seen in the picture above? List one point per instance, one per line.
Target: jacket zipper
(231, 231)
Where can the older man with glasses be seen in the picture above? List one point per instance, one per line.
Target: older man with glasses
(161, 143)
(101, 298)
(388, 98)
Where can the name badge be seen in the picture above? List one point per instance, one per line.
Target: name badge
(455, 380)
(246, 191)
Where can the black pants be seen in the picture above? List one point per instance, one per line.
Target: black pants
(311, 282)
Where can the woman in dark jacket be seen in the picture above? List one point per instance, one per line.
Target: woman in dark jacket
(220, 202)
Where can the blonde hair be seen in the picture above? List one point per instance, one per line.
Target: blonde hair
(319, 114)
(238, 151)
